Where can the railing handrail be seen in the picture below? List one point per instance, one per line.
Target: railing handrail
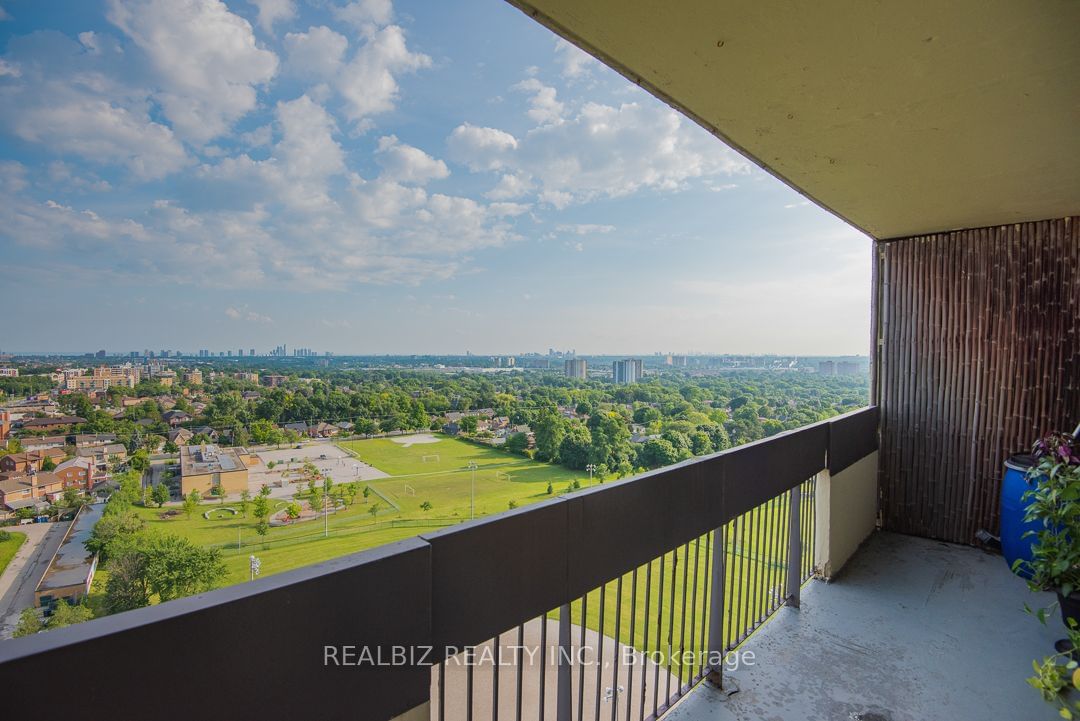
(452, 587)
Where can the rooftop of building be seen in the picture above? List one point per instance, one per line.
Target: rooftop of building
(208, 458)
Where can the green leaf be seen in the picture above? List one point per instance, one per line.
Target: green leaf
(1066, 713)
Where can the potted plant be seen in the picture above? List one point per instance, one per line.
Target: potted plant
(1054, 506)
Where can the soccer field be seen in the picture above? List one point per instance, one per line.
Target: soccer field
(446, 481)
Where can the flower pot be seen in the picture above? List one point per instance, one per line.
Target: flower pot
(1070, 607)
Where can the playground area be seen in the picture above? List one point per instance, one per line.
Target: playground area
(288, 463)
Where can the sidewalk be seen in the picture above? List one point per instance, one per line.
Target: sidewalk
(22, 575)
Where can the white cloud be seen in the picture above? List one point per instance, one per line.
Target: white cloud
(246, 314)
(89, 40)
(307, 146)
(4, 15)
(480, 148)
(544, 108)
(797, 204)
(368, 83)
(271, 11)
(204, 57)
(12, 176)
(585, 228)
(316, 54)
(10, 70)
(406, 164)
(68, 120)
(510, 186)
(364, 12)
(258, 137)
(576, 63)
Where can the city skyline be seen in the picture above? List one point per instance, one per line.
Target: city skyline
(370, 177)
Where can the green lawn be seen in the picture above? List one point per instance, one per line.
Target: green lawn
(9, 547)
(500, 478)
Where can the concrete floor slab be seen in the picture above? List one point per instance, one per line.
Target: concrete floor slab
(912, 629)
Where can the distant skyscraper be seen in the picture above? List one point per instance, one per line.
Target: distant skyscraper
(627, 371)
(252, 353)
(575, 368)
(826, 368)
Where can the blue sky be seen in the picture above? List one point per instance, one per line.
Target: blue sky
(370, 177)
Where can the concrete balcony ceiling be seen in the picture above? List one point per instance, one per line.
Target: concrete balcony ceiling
(901, 118)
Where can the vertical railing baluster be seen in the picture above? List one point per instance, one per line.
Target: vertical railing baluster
(581, 652)
(682, 617)
(520, 671)
(706, 599)
(615, 656)
(600, 654)
(744, 574)
(565, 702)
(469, 659)
(543, 666)
(495, 679)
(645, 639)
(693, 608)
(442, 690)
(671, 622)
(659, 634)
(794, 579)
(729, 586)
(633, 628)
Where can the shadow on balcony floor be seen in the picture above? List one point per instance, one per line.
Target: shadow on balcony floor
(913, 629)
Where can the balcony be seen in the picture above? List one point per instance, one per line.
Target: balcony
(912, 629)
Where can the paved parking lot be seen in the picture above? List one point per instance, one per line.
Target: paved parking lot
(288, 462)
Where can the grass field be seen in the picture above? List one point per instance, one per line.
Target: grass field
(445, 484)
(9, 547)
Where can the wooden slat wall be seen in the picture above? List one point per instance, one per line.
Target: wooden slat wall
(979, 354)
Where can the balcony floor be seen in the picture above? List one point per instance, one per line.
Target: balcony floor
(911, 629)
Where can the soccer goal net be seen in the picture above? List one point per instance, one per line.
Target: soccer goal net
(409, 490)
(431, 457)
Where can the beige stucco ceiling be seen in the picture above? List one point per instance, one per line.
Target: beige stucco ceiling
(901, 117)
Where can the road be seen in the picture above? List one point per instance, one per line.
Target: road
(22, 575)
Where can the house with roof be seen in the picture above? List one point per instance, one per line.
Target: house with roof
(86, 440)
(29, 490)
(300, 427)
(78, 473)
(180, 436)
(174, 417)
(44, 442)
(30, 460)
(58, 423)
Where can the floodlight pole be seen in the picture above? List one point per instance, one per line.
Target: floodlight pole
(472, 497)
(590, 468)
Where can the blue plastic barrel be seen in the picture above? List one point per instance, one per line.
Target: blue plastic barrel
(1013, 526)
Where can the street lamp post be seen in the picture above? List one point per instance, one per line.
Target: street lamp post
(256, 565)
(591, 468)
(472, 501)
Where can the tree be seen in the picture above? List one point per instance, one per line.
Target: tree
(348, 492)
(29, 623)
(191, 503)
(127, 587)
(374, 510)
(160, 494)
(657, 452)
(549, 429)
(367, 492)
(245, 501)
(176, 567)
(293, 510)
(317, 500)
(72, 497)
(512, 504)
(468, 424)
(112, 533)
(218, 491)
(550, 488)
(262, 527)
(262, 507)
(426, 506)
(171, 447)
(48, 464)
(517, 443)
(66, 614)
(139, 460)
(574, 449)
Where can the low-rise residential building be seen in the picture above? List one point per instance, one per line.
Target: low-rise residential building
(193, 377)
(30, 443)
(273, 381)
(101, 378)
(205, 467)
(174, 417)
(180, 436)
(30, 460)
(29, 490)
(247, 376)
(51, 424)
(9, 372)
(77, 473)
(86, 440)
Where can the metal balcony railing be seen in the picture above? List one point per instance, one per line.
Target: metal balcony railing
(609, 603)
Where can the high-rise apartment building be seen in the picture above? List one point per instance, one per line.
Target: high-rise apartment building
(575, 368)
(630, 370)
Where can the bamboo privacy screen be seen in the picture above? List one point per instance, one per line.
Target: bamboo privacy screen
(979, 354)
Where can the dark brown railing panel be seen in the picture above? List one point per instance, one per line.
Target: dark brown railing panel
(493, 573)
(253, 650)
(852, 437)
